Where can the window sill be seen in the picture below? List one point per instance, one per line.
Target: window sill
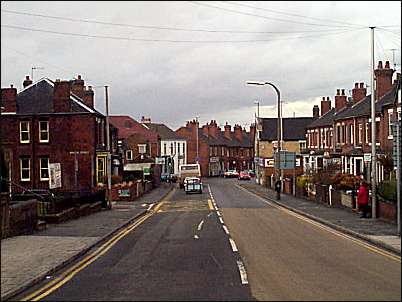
(25, 142)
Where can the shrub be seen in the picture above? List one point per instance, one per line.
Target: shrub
(343, 181)
(301, 181)
(116, 179)
(387, 190)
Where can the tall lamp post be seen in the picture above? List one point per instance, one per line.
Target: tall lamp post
(258, 142)
(279, 123)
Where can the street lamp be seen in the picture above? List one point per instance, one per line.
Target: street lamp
(279, 122)
(258, 142)
(196, 124)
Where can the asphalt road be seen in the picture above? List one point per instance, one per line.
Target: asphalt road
(288, 258)
(180, 253)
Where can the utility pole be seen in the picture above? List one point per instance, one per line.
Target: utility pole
(109, 156)
(373, 134)
(196, 124)
(256, 138)
(32, 72)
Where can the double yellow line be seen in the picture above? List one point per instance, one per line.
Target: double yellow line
(71, 272)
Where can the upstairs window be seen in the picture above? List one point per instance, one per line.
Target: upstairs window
(44, 168)
(24, 132)
(25, 168)
(142, 148)
(129, 155)
(43, 131)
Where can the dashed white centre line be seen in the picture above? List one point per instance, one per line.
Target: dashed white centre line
(226, 229)
(200, 225)
(219, 213)
(242, 270)
(233, 244)
(221, 220)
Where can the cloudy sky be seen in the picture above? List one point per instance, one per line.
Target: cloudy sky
(173, 61)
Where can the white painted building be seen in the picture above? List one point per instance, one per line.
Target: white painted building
(173, 149)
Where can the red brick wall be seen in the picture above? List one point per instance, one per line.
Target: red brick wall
(66, 133)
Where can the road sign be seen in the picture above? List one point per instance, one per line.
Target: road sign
(367, 157)
(54, 176)
(147, 171)
(285, 160)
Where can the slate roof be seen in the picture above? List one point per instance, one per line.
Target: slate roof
(363, 108)
(128, 126)
(325, 120)
(293, 128)
(38, 98)
(164, 132)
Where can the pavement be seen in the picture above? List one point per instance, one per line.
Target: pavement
(28, 259)
(374, 231)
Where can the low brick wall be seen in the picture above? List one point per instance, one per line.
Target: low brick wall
(23, 217)
(387, 210)
(130, 191)
(5, 214)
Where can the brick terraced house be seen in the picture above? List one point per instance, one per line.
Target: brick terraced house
(343, 134)
(53, 122)
(219, 150)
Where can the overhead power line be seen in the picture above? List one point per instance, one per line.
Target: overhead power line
(289, 14)
(160, 27)
(265, 17)
(168, 40)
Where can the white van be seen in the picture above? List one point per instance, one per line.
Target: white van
(188, 170)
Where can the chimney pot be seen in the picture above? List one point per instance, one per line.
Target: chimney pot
(338, 92)
(361, 85)
(356, 85)
(79, 77)
(27, 77)
(11, 85)
(327, 98)
(323, 98)
(380, 65)
(343, 91)
(387, 64)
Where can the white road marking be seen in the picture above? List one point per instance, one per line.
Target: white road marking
(226, 229)
(219, 213)
(150, 206)
(242, 271)
(196, 237)
(221, 220)
(200, 225)
(233, 244)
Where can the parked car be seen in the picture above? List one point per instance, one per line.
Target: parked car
(244, 175)
(192, 185)
(230, 174)
(251, 172)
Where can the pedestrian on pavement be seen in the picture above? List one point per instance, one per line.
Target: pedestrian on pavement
(362, 199)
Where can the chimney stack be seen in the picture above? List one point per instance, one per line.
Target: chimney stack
(205, 129)
(252, 132)
(238, 132)
(325, 105)
(228, 131)
(61, 96)
(383, 78)
(213, 128)
(88, 97)
(77, 87)
(358, 93)
(27, 81)
(316, 111)
(8, 100)
(340, 100)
